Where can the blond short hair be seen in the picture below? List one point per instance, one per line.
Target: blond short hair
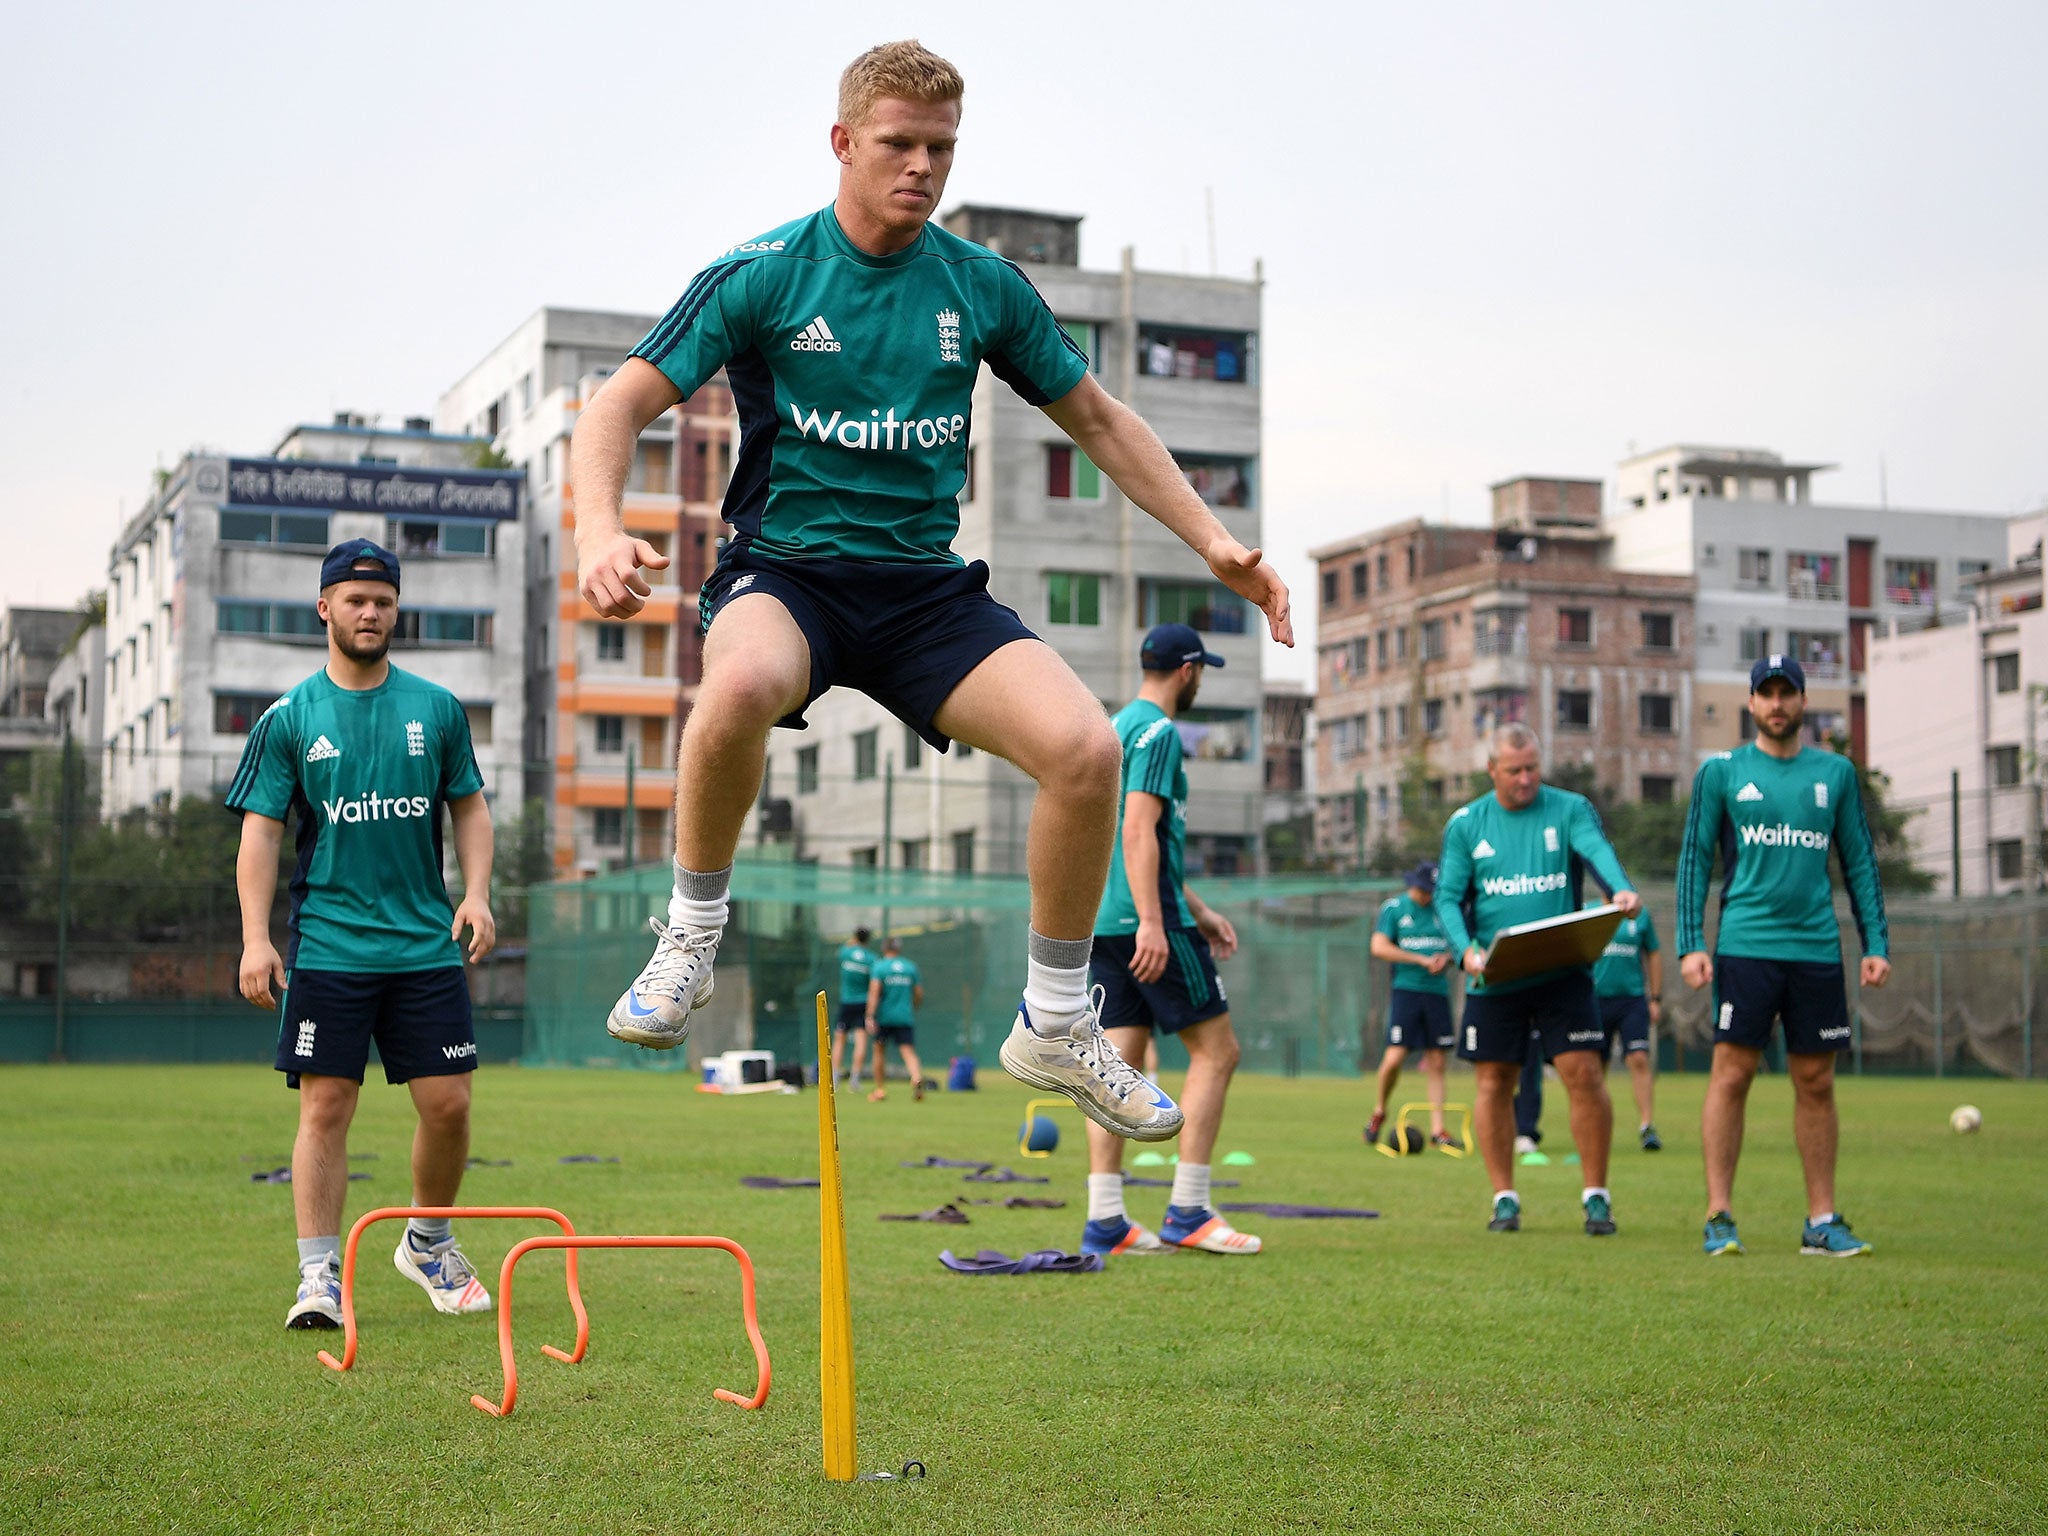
(907, 71)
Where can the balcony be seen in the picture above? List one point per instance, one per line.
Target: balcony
(1803, 586)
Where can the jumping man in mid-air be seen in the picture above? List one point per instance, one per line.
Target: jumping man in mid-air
(852, 338)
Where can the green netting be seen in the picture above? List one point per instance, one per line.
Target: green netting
(1302, 986)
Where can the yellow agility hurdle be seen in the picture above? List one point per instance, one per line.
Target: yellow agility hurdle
(1400, 1134)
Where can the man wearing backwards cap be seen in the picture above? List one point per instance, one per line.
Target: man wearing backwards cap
(1409, 938)
(1154, 959)
(367, 755)
(1776, 808)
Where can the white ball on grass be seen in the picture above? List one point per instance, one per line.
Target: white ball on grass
(1964, 1119)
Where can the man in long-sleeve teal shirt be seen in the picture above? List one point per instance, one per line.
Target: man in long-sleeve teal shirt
(1775, 809)
(1517, 855)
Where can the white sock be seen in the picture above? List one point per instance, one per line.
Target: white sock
(1506, 1194)
(700, 899)
(320, 1249)
(1105, 1196)
(1594, 1189)
(1190, 1187)
(1056, 983)
(1814, 1221)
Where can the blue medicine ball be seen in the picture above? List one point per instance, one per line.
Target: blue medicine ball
(1041, 1135)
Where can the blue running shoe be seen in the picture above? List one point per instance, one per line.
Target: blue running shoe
(319, 1299)
(1721, 1236)
(1119, 1234)
(1507, 1214)
(1831, 1239)
(1651, 1141)
(1204, 1229)
(1599, 1217)
(443, 1272)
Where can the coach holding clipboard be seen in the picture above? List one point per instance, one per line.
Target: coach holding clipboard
(1518, 855)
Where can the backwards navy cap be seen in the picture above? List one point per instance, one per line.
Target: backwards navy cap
(1169, 646)
(358, 560)
(1769, 667)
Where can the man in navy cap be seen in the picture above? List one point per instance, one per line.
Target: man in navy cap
(1776, 809)
(367, 755)
(1154, 958)
(1411, 940)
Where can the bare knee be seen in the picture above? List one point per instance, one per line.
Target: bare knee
(745, 698)
(326, 1105)
(1813, 1079)
(442, 1102)
(1216, 1048)
(1082, 762)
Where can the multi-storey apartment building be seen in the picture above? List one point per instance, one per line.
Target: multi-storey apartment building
(1429, 636)
(1086, 570)
(212, 585)
(1778, 571)
(604, 700)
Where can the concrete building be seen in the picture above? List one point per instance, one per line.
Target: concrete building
(1956, 699)
(75, 701)
(1086, 570)
(211, 591)
(31, 642)
(598, 694)
(1778, 571)
(1427, 637)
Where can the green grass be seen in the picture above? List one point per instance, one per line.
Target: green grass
(1411, 1373)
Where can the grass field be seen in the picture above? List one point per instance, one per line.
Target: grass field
(1413, 1373)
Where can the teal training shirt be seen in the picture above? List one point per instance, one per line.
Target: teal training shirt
(1416, 929)
(1501, 867)
(1153, 765)
(900, 980)
(365, 773)
(1775, 820)
(855, 962)
(853, 377)
(1619, 970)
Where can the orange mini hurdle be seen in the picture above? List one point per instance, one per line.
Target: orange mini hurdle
(463, 1212)
(572, 1243)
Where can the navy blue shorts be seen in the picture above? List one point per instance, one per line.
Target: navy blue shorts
(1187, 991)
(1420, 1021)
(1809, 996)
(1626, 1019)
(904, 635)
(896, 1034)
(852, 1016)
(1562, 1011)
(419, 1019)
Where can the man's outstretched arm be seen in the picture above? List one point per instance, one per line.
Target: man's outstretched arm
(608, 559)
(1130, 453)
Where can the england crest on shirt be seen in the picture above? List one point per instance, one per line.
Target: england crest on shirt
(949, 336)
(1820, 795)
(1550, 839)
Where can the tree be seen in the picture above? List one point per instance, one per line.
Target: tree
(484, 456)
(523, 858)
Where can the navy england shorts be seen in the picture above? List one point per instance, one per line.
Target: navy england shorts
(1626, 1019)
(1562, 1011)
(1187, 992)
(896, 1034)
(419, 1019)
(852, 1016)
(1420, 1021)
(904, 635)
(1807, 995)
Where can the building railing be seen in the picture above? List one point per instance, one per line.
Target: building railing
(1811, 589)
(1511, 642)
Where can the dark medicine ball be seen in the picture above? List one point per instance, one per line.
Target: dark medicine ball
(1406, 1139)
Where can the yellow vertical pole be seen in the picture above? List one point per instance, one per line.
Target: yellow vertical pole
(835, 1313)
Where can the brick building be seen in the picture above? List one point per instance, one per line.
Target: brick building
(1429, 636)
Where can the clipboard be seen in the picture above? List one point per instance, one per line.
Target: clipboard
(1550, 944)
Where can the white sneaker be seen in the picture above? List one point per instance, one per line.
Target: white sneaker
(1524, 1145)
(319, 1303)
(1085, 1067)
(655, 1011)
(443, 1272)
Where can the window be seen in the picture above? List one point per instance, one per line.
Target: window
(963, 852)
(1660, 632)
(1401, 643)
(611, 642)
(450, 536)
(1498, 706)
(914, 851)
(1910, 581)
(1433, 717)
(1082, 334)
(608, 826)
(1380, 571)
(1812, 577)
(1500, 632)
(1219, 479)
(1411, 562)
(1329, 589)
(478, 717)
(1433, 640)
(2009, 855)
(286, 621)
(298, 530)
(611, 733)
(1574, 626)
(2005, 672)
(2004, 766)
(807, 770)
(1574, 709)
(1344, 738)
(1653, 711)
(1179, 352)
(1361, 580)
(1748, 724)
(1659, 788)
(864, 753)
(1752, 567)
(1071, 475)
(1400, 722)
(913, 748)
(1379, 646)
(1756, 644)
(234, 713)
(1225, 735)
(1968, 569)
(1818, 652)
(1208, 606)
(442, 626)
(1073, 598)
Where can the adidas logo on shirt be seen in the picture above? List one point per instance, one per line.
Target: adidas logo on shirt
(815, 337)
(1482, 849)
(1749, 792)
(321, 751)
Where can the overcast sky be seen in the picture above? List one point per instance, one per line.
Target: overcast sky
(1497, 239)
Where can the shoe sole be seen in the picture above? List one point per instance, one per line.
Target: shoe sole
(398, 1261)
(1726, 1250)
(1600, 1229)
(1088, 1107)
(1831, 1253)
(634, 1034)
(1514, 1224)
(312, 1317)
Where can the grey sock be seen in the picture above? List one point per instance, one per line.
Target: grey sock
(1061, 954)
(693, 886)
(313, 1249)
(426, 1231)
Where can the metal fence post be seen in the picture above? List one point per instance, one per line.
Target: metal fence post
(1940, 1013)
